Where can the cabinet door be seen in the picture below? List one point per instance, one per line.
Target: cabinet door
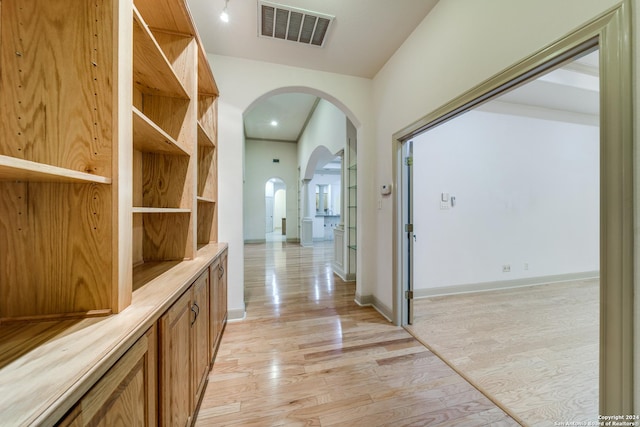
(223, 293)
(200, 335)
(126, 394)
(175, 363)
(214, 298)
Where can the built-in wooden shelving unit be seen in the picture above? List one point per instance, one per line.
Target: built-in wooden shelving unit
(57, 154)
(108, 200)
(108, 152)
(207, 193)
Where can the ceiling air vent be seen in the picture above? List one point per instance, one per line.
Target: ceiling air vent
(293, 24)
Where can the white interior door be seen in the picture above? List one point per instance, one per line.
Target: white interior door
(268, 201)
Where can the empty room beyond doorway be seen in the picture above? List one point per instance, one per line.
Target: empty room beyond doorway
(506, 245)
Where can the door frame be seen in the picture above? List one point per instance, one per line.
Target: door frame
(611, 32)
(407, 248)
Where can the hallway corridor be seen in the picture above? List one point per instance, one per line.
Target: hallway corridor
(307, 355)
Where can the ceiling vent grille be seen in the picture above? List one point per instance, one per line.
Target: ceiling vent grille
(293, 24)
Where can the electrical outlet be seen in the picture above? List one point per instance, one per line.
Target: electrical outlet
(506, 268)
(444, 205)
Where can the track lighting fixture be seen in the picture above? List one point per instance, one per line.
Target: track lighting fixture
(224, 16)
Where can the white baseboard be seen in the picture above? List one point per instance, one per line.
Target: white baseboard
(338, 271)
(372, 301)
(236, 314)
(503, 284)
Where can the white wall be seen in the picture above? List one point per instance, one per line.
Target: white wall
(259, 168)
(526, 192)
(460, 44)
(230, 210)
(327, 127)
(242, 83)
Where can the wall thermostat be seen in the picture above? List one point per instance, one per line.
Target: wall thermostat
(385, 189)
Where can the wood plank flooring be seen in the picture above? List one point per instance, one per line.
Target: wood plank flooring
(534, 349)
(307, 355)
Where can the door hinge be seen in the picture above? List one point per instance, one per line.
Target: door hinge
(408, 161)
(408, 228)
(408, 294)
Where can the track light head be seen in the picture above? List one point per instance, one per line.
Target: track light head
(224, 15)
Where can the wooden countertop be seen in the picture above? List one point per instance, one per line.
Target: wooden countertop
(45, 367)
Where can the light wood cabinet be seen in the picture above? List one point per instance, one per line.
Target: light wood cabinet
(175, 362)
(108, 148)
(200, 337)
(183, 356)
(218, 302)
(126, 394)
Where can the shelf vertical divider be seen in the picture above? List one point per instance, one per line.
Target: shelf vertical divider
(123, 160)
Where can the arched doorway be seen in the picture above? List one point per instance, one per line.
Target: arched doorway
(275, 201)
(313, 134)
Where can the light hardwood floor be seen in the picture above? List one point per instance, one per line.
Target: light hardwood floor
(307, 355)
(533, 349)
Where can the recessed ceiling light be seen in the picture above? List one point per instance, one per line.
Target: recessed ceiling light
(274, 123)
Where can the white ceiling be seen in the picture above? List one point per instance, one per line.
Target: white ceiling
(291, 111)
(361, 39)
(573, 88)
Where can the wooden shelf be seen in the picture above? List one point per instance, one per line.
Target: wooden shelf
(206, 83)
(15, 169)
(149, 137)
(145, 210)
(167, 15)
(204, 139)
(146, 272)
(205, 200)
(152, 71)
